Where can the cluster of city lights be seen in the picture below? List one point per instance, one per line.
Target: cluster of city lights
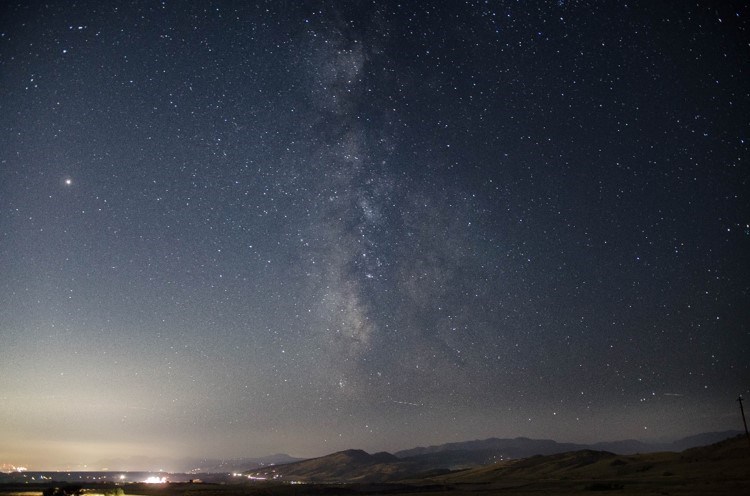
(155, 480)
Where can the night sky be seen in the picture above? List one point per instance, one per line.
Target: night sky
(235, 229)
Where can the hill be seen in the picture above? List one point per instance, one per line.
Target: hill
(729, 458)
(349, 465)
(721, 468)
(482, 452)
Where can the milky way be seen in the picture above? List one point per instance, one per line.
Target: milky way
(241, 230)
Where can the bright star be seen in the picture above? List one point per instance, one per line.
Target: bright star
(68, 181)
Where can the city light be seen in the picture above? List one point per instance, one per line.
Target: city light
(155, 480)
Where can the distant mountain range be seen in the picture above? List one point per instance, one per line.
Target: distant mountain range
(718, 468)
(480, 452)
(359, 466)
(445, 456)
(349, 465)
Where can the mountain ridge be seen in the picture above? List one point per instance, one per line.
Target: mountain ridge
(524, 446)
(726, 460)
(359, 466)
(460, 454)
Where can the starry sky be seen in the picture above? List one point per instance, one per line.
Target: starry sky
(242, 228)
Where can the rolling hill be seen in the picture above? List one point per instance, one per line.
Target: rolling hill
(720, 468)
(729, 458)
(349, 466)
(489, 450)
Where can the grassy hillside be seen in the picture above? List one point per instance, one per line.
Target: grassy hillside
(349, 465)
(719, 469)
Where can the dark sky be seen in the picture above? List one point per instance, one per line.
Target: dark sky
(233, 229)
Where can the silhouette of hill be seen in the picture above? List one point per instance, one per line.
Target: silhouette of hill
(725, 463)
(480, 452)
(350, 465)
(432, 464)
(452, 455)
(632, 446)
(700, 440)
(488, 450)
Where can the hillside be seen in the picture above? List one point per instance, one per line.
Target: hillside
(349, 465)
(721, 468)
(491, 449)
(729, 459)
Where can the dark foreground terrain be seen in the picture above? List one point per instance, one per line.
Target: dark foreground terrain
(719, 469)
